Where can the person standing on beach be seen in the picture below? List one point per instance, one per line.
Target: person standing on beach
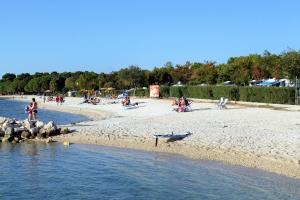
(57, 99)
(33, 109)
(61, 99)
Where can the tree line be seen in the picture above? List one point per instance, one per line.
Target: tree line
(239, 70)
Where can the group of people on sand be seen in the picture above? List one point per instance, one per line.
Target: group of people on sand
(59, 100)
(182, 104)
(92, 100)
(31, 110)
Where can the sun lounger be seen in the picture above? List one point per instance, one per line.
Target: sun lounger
(172, 137)
(223, 104)
(131, 106)
(220, 102)
(188, 108)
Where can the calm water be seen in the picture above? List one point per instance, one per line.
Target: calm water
(52, 171)
(16, 109)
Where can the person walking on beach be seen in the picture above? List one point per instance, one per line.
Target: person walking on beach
(33, 109)
(57, 100)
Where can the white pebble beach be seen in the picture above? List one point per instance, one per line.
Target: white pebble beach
(252, 135)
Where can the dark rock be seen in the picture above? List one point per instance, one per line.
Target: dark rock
(53, 131)
(2, 133)
(34, 130)
(64, 131)
(7, 139)
(9, 132)
(19, 129)
(11, 121)
(25, 134)
(41, 135)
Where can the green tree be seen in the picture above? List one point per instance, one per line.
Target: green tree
(88, 81)
(57, 84)
(132, 76)
(290, 62)
(8, 77)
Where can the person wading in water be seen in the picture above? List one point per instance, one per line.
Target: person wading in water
(33, 109)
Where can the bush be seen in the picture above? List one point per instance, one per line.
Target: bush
(268, 95)
(141, 93)
(276, 95)
(164, 91)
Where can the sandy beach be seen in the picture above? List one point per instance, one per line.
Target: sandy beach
(251, 135)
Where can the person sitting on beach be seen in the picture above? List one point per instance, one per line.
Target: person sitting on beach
(181, 105)
(95, 100)
(126, 101)
(33, 109)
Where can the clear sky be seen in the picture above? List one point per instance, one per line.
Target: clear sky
(105, 35)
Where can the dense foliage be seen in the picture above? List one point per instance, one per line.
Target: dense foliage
(278, 95)
(239, 70)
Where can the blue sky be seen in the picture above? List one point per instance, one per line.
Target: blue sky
(105, 35)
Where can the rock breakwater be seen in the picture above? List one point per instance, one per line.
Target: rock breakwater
(16, 131)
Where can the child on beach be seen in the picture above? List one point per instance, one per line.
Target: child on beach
(28, 111)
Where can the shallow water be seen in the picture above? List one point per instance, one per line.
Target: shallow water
(16, 109)
(52, 171)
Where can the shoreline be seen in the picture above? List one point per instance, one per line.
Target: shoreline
(110, 125)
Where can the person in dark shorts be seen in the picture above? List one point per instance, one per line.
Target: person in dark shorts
(33, 109)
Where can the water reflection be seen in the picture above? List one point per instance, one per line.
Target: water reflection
(93, 172)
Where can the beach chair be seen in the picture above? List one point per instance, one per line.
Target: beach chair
(223, 104)
(131, 106)
(220, 102)
(188, 108)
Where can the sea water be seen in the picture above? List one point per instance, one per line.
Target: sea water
(53, 171)
(16, 109)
